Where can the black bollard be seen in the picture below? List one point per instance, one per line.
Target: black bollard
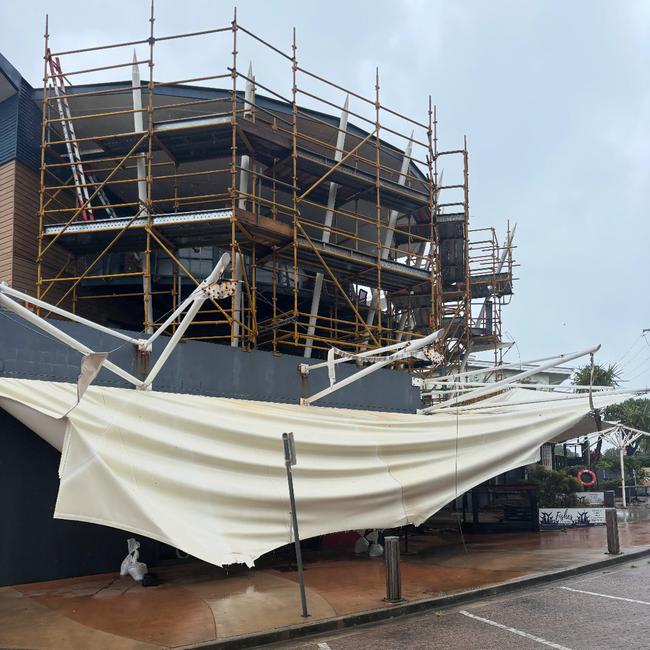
(393, 577)
(613, 543)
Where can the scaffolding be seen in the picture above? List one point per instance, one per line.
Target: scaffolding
(328, 202)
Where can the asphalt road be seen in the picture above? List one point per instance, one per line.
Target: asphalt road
(614, 615)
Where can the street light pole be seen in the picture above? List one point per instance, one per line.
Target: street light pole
(289, 461)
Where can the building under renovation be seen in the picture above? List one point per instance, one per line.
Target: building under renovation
(346, 223)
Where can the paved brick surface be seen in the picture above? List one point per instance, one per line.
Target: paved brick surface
(554, 615)
(196, 603)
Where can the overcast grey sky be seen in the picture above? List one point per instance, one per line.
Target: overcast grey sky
(554, 97)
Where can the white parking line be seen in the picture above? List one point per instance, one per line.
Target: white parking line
(593, 593)
(324, 646)
(550, 644)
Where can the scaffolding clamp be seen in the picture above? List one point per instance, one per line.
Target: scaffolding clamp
(219, 290)
(143, 345)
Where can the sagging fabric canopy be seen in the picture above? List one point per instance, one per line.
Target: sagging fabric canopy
(207, 475)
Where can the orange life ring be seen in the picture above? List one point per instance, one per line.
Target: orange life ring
(589, 483)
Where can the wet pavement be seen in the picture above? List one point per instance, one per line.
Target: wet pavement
(603, 610)
(198, 603)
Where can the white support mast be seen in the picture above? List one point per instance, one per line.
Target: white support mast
(19, 295)
(55, 332)
(244, 180)
(621, 437)
(141, 171)
(205, 290)
(210, 288)
(329, 215)
(497, 386)
(399, 351)
(390, 233)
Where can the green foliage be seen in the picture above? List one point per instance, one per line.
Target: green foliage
(556, 489)
(633, 413)
(572, 471)
(608, 375)
(611, 462)
(643, 458)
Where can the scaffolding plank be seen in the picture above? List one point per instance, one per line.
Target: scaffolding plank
(183, 229)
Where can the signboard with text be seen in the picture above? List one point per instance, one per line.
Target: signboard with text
(550, 518)
(591, 498)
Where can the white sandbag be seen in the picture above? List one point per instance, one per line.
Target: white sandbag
(361, 546)
(130, 564)
(376, 550)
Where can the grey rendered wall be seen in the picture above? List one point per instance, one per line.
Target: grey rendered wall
(199, 368)
(33, 545)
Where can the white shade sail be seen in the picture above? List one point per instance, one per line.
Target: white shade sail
(207, 475)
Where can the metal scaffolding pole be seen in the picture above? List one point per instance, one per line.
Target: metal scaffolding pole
(309, 197)
(390, 232)
(329, 215)
(507, 249)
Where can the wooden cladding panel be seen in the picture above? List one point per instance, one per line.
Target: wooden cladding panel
(19, 201)
(25, 229)
(7, 183)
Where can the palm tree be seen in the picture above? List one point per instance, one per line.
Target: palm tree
(603, 375)
(597, 375)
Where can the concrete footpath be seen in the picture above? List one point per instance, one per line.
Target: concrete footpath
(200, 605)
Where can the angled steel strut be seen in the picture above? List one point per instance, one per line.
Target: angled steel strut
(399, 351)
(210, 288)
